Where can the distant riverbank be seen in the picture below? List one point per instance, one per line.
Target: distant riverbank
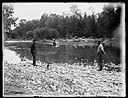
(74, 41)
(63, 40)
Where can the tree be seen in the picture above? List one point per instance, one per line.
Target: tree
(46, 32)
(64, 26)
(22, 22)
(41, 33)
(7, 18)
(30, 34)
(109, 20)
(53, 33)
(74, 9)
(25, 26)
(43, 20)
(76, 22)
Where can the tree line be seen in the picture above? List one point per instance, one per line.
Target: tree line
(50, 26)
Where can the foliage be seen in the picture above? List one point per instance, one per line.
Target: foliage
(62, 26)
(42, 33)
(29, 34)
(109, 20)
(7, 18)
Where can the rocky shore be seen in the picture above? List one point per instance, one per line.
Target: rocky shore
(24, 79)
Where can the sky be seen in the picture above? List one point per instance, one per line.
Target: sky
(30, 11)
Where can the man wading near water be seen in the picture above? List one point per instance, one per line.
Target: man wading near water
(100, 53)
(33, 51)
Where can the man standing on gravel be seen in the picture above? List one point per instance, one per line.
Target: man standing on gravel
(100, 52)
(33, 52)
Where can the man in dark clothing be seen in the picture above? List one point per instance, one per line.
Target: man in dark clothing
(100, 52)
(33, 52)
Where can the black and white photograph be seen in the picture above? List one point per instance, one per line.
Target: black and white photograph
(63, 49)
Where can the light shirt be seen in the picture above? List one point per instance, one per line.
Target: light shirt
(100, 48)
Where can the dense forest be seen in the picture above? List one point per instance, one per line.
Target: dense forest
(101, 25)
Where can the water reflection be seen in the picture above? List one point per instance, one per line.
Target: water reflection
(72, 53)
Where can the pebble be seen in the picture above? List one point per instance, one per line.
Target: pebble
(67, 80)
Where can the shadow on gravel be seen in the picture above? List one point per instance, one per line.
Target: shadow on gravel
(109, 68)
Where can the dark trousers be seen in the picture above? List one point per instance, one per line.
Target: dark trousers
(34, 59)
(100, 61)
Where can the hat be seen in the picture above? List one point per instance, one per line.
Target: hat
(99, 42)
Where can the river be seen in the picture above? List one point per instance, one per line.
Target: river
(63, 53)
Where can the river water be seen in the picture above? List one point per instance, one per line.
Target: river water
(64, 53)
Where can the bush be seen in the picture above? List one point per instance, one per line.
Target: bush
(53, 33)
(29, 34)
(48, 33)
